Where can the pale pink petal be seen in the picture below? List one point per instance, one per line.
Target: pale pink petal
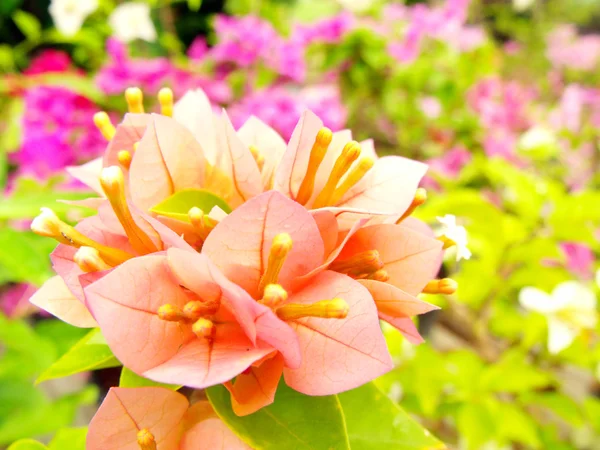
(279, 335)
(395, 302)
(347, 217)
(211, 434)
(194, 112)
(124, 412)
(125, 304)
(410, 258)
(256, 388)
(328, 227)
(389, 187)
(338, 354)
(405, 326)
(54, 296)
(88, 174)
(368, 149)
(167, 160)
(127, 133)
(92, 202)
(240, 244)
(293, 165)
(271, 146)
(237, 163)
(201, 363)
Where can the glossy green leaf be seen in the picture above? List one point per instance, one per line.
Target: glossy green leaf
(382, 424)
(178, 205)
(90, 353)
(293, 421)
(131, 379)
(27, 444)
(69, 439)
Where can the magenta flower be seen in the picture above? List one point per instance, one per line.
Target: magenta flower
(49, 60)
(579, 259)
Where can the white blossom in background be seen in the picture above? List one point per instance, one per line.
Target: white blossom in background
(570, 309)
(452, 234)
(522, 5)
(68, 15)
(598, 278)
(537, 137)
(130, 21)
(356, 6)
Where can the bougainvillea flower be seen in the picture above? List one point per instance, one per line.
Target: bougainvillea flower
(273, 248)
(94, 246)
(395, 262)
(153, 418)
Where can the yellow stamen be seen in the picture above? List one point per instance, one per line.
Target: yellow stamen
(258, 157)
(325, 309)
(356, 174)
(362, 263)
(124, 158)
(317, 153)
(420, 197)
(135, 100)
(113, 184)
(196, 309)
(444, 286)
(349, 154)
(282, 245)
(171, 313)
(146, 440)
(103, 123)
(204, 328)
(446, 241)
(274, 296)
(165, 98)
(88, 259)
(380, 275)
(48, 224)
(201, 222)
(135, 146)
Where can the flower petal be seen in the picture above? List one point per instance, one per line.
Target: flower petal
(576, 295)
(537, 300)
(124, 412)
(88, 174)
(406, 326)
(240, 244)
(395, 302)
(338, 354)
(55, 297)
(560, 335)
(128, 132)
(209, 434)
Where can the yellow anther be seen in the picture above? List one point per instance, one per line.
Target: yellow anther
(281, 247)
(124, 158)
(88, 259)
(446, 241)
(356, 174)
(274, 296)
(165, 98)
(48, 224)
(204, 328)
(171, 313)
(201, 222)
(349, 154)
(317, 153)
(146, 440)
(258, 157)
(365, 262)
(196, 309)
(103, 123)
(420, 198)
(113, 184)
(135, 100)
(325, 309)
(444, 286)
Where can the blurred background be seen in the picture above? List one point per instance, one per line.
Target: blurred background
(502, 99)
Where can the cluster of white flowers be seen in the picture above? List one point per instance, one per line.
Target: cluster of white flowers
(456, 234)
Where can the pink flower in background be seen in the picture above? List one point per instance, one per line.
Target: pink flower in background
(49, 60)
(14, 300)
(330, 30)
(579, 259)
(451, 162)
(58, 130)
(567, 49)
(198, 49)
(500, 144)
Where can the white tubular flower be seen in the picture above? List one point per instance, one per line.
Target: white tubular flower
(68, 15)
(130, 21)
(454, 235)
(570, 309)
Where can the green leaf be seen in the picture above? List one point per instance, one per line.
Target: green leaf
(131, 379)
(178, 205)
(27, 444)
(293, 421)
(24, 256)
(194, 5)
(90, 353)
(382, 424)
(69, 439)
(28, 25)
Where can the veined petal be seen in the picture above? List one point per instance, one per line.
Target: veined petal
(88, 174)
(209, 434)
(406, 326)
(338, 354)
(55, 297)
(395, 302)
(128, 132)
